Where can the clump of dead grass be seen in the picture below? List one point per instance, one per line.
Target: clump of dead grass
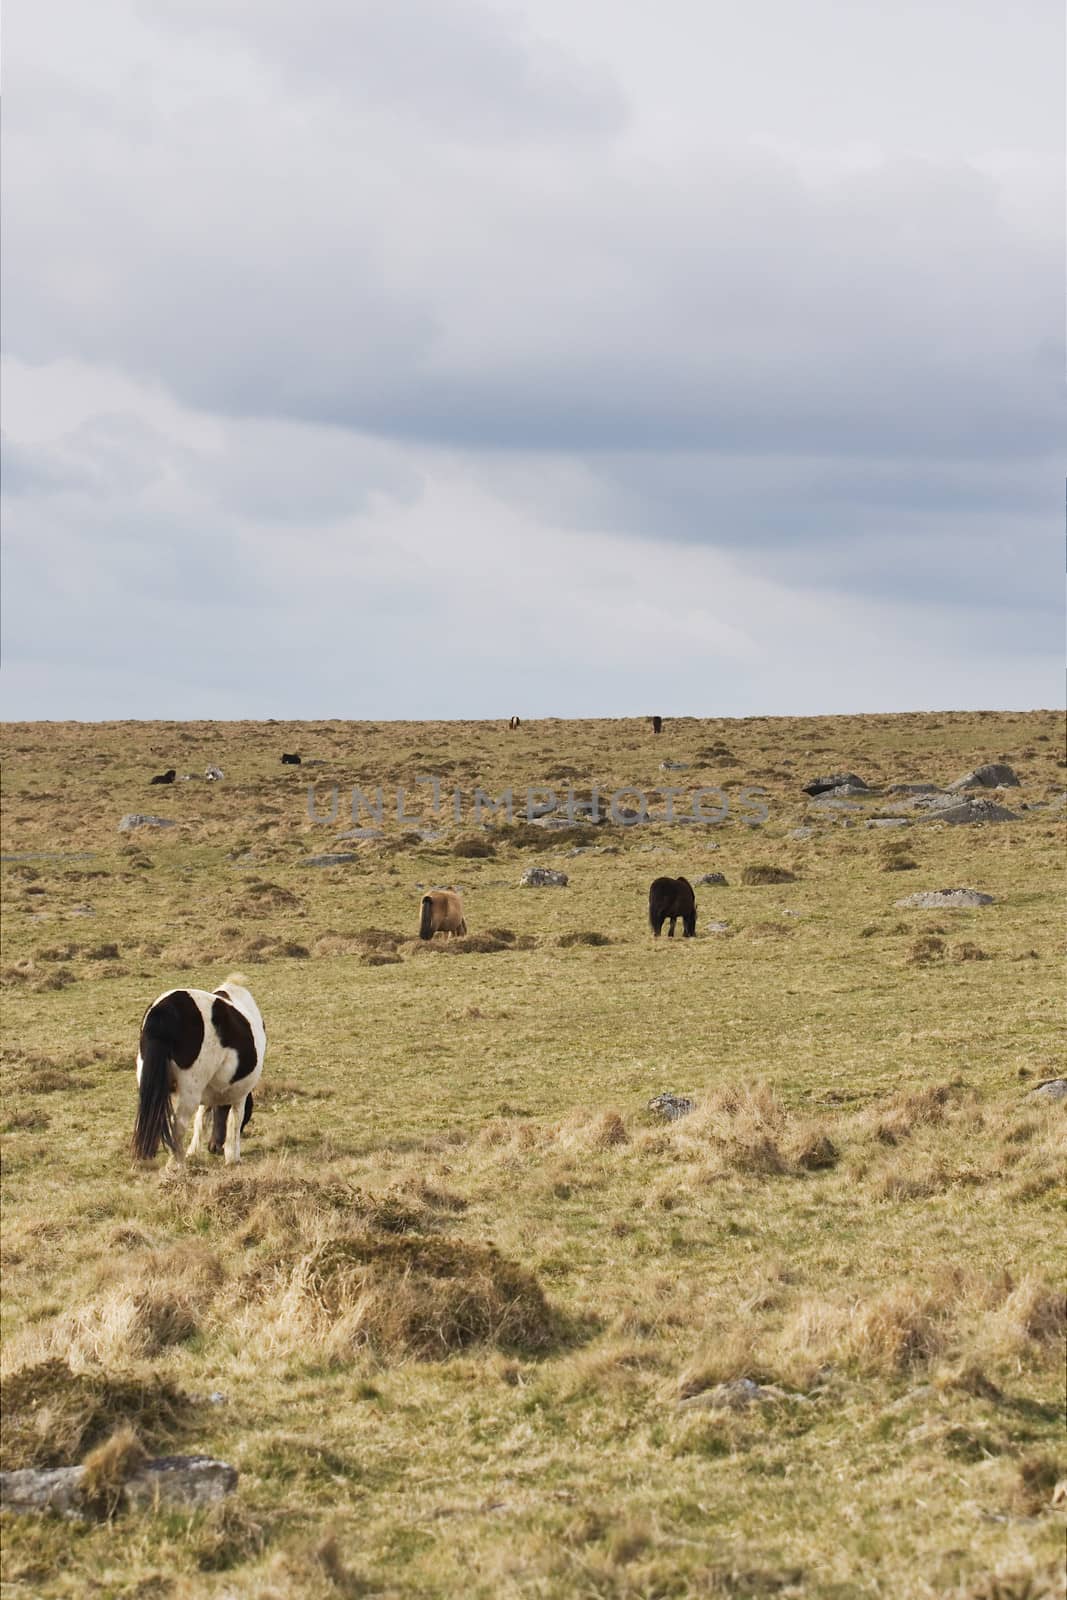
(53, 1414)
(764, 872)
(566, 941)
(415, 1295)
(926, 950)
(107, 1468)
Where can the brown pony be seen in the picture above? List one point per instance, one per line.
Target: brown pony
(442, 912)
(657, 724)
(672, 898)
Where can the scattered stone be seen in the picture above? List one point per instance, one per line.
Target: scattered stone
(835, 800)
(737, 1395)
(543, 878)
(993, 776)
(945, 899)
(338, 859)
(717, 927)
(802, 833)
(1054, 1089)
(81, 911)
(674, 766)
(888, 822)
(671, 1106)
(189, 1482)
(712, 877)
(836, 780)
(580, 850)
(968, 811)
(361, 833)
(168, 1482)
(214, 774)
(138, 819)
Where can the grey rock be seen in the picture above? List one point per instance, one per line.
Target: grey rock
(737, 1395)
(190, 1482)
(139, 819)
(361, 833)
(671, 1106)
(913, 788)
(337, 859)
(717, 927)
(712, 877)
(966, 811)
(802, 833)
(55, 1489)
(168, 1482)
(1055, 1089)
(889, 822)
(945, 899)
(674, 766)
(580, 850)
(835, 780)
(834, 801)
(214, 774)
(543, 878)
(993, 776)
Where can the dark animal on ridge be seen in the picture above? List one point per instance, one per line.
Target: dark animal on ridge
(672, 898)
(442, 912)
(513, 724)
(201, 1053)
(657, 724)
(165, 777)
(290, 761)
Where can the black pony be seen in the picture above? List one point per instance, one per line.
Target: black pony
(673, 898)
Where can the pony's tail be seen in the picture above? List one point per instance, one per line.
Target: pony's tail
(155, 1118)
(426, 922)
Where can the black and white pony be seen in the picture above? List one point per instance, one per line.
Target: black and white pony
(200, 1053)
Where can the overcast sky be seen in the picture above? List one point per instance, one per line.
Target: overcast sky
(455, 358)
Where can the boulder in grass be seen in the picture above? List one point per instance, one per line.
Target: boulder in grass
(945, 900)
(958, 813)
(847, 782)
(167, 1483)
(139, 819)
(995, 775)
(543, 878)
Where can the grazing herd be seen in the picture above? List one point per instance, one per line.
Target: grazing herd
(201, 1054)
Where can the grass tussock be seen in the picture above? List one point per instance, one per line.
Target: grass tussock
(764, 872)
(567, 941)
(418, 1296)
(53, 1414)
(108, 1466)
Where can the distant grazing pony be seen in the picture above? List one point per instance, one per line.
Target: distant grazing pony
(657, 724)
(442, 912)
(199, 1053)
(290, 761)
(165, 777)
(672, 898)
(513, 724)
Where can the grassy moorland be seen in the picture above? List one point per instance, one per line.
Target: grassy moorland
(461, 1316)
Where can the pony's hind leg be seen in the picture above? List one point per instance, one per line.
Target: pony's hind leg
(670, 930)
(198, 1129)
(185, 1107)
(233, 1132)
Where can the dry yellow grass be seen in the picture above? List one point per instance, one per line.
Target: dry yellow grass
(459, 1316)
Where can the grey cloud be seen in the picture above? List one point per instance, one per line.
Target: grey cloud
(456, 66)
